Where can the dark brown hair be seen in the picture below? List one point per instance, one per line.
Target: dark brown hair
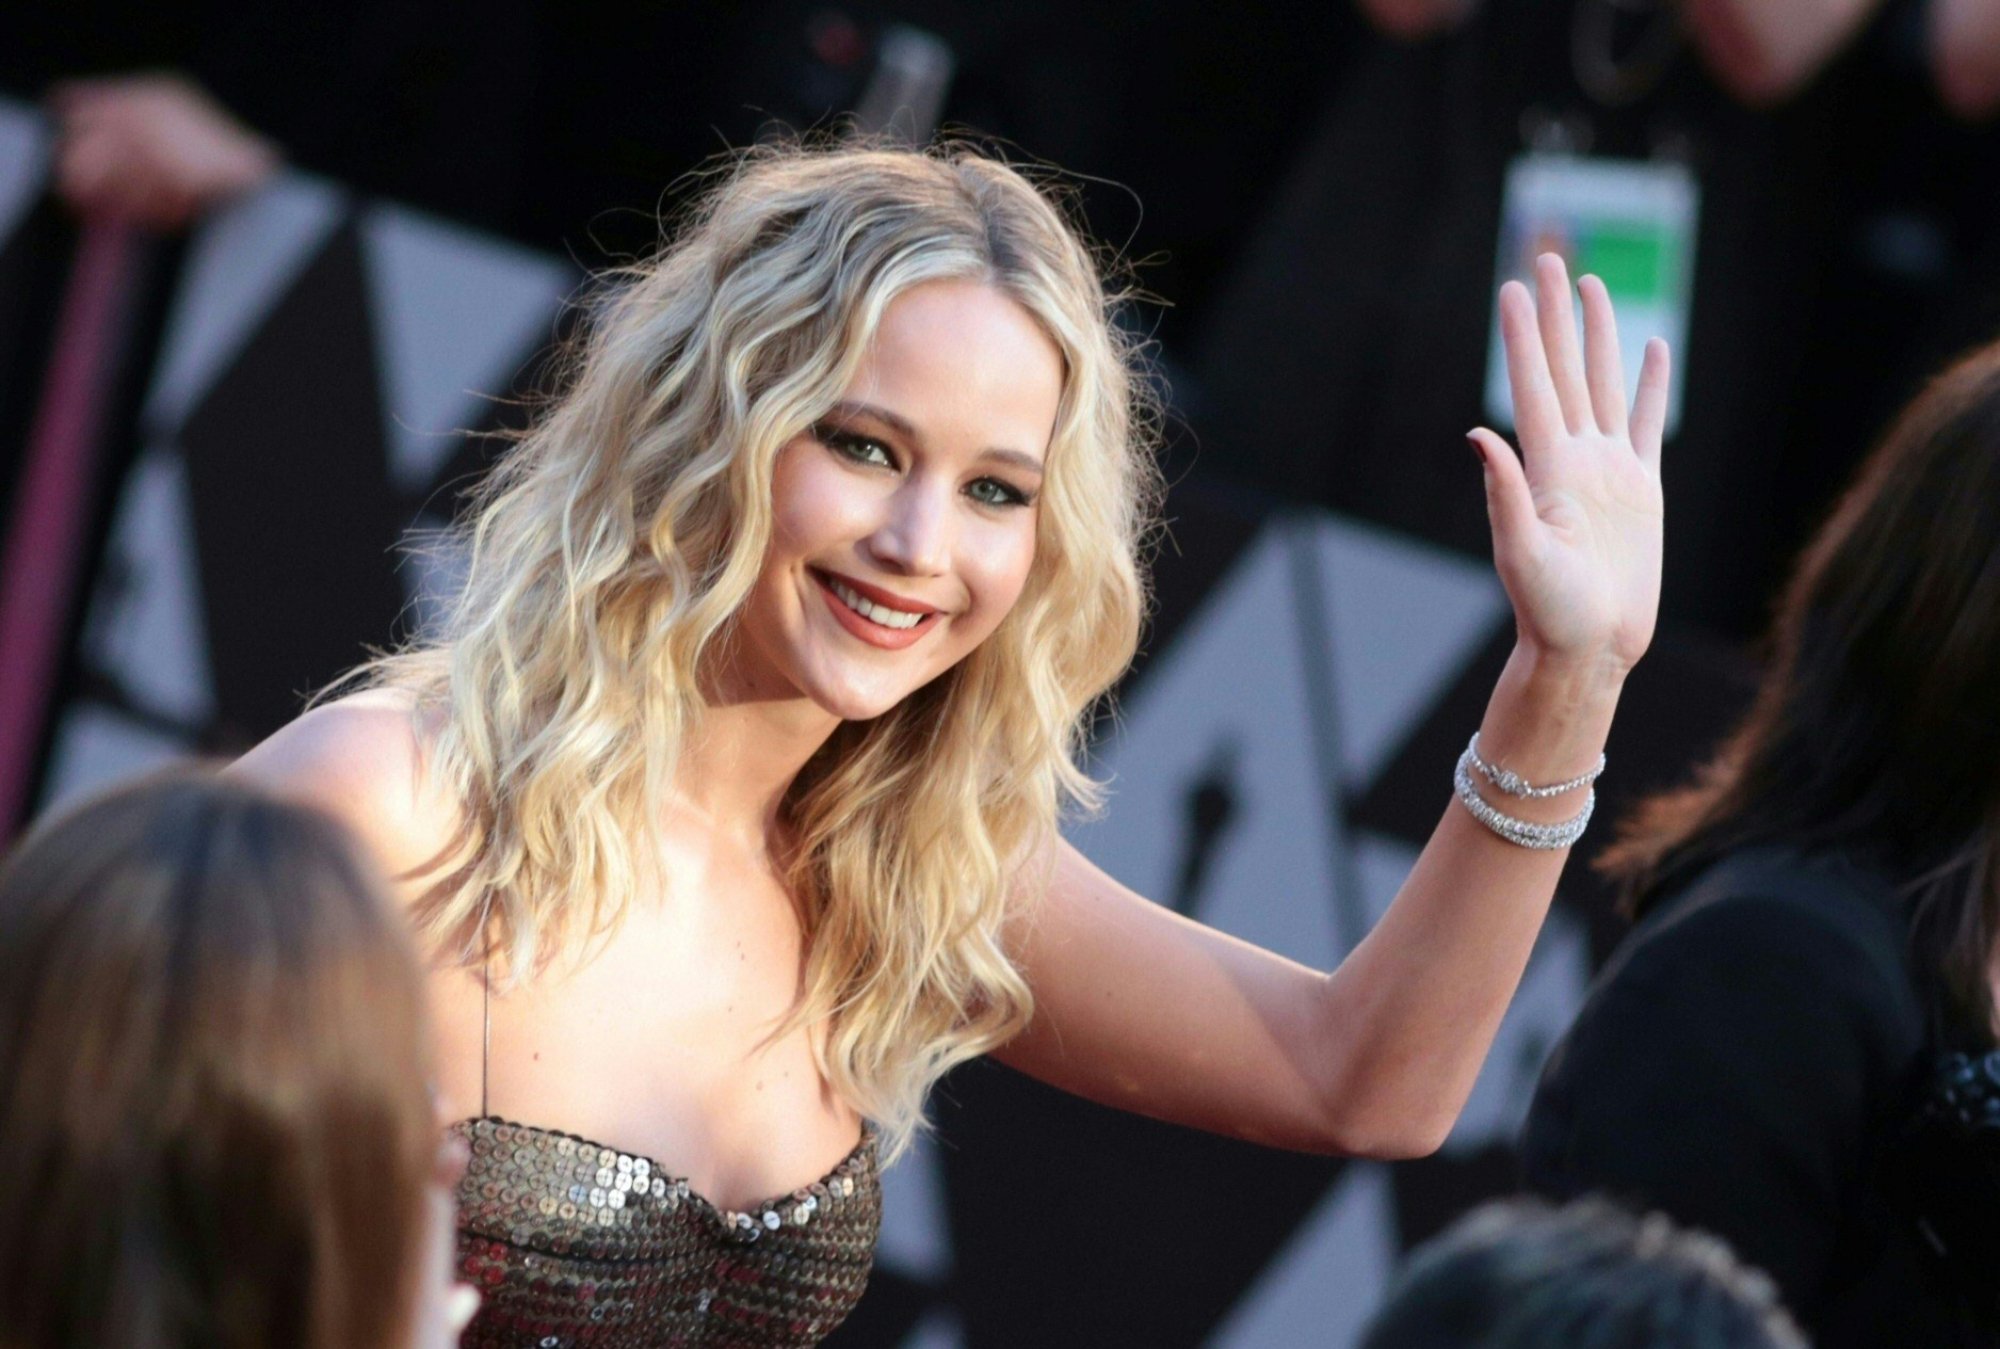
(1877, 727)
(215, 1128)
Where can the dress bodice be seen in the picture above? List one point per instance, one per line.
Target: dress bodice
(573, 1243)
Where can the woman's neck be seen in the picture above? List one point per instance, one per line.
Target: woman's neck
(739, 762)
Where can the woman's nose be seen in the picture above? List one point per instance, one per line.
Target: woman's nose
(915, 535)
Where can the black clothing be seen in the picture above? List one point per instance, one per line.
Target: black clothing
(1749, 1062)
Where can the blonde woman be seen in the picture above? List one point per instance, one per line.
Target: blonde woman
(728, 801)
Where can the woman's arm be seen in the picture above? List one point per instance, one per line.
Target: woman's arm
(1140, 1008)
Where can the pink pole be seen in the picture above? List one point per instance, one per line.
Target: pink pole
(42, 561)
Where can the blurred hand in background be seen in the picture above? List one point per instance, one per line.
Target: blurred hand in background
(1965, 54)
(1416, 18)
(154, 149)
(1764, 51)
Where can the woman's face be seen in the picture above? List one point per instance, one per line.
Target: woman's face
(905, 519)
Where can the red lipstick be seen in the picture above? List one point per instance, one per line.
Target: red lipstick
(867, 629)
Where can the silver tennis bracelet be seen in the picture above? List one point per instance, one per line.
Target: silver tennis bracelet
(1524, 833)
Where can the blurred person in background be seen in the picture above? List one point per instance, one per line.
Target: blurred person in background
(216, 1129)
(161, 113)
(1518, 1274)
(1767, 50)
(1795, 1048)
(1839, 191)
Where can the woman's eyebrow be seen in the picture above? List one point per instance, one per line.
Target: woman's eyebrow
(901, 425)
(894, 421)
(1018, 458)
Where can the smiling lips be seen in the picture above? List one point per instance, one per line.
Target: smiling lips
(875, 616)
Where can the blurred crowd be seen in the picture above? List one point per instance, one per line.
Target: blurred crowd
(1312, 194)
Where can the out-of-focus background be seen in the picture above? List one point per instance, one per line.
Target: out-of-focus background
(270, 277)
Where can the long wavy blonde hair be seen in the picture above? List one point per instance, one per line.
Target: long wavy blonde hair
(611, 549)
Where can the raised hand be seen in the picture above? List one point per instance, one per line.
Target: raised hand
(1576, 518)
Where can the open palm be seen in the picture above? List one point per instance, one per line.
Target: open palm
(1576, 518)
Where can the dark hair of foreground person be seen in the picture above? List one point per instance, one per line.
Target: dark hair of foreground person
(214, 1124)
(1518, 1274)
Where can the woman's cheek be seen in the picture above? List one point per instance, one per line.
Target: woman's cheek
(1004, 579)
(797, 500)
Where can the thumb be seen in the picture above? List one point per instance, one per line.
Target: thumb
(1510, 506)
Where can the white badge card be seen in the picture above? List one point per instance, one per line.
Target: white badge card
(1630, 222)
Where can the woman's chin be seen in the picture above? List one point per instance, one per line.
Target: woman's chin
(860, 709)
(856, 704)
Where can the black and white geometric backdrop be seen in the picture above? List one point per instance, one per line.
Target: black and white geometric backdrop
(1281, 753)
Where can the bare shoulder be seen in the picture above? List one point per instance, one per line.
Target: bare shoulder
(362, 759)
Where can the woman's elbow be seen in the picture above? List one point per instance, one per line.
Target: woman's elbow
(1398, 1138)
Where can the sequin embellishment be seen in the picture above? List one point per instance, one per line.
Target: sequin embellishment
(572, 1243)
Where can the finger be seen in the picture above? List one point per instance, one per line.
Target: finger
(1510, 505)
(1602, 365)
(1557, 312)
(1537, 414)
(1649, 405)
(461, 1305)
(448, 1167)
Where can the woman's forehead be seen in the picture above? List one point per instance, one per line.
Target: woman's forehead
(965, 361)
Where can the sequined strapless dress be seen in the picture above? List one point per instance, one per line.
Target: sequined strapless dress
(572, 1243)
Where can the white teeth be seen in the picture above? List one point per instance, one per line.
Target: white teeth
(873, 612)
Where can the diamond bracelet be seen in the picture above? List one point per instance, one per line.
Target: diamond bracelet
(1515, 785)
(1522, 833)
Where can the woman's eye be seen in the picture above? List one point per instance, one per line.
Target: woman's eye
(993, 492)
(856, 447)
